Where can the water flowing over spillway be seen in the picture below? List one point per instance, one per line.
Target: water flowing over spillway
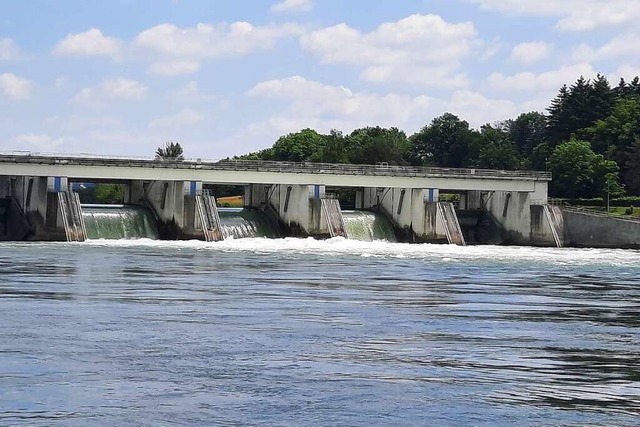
(368, 226)
(118, 222)
(242, 223)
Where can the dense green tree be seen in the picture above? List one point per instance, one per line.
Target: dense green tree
(615, 135)
(373, 145)
(558, 124)
(579, 172)
(444, 142)
(109, 193)
(170, 151)
(297, 147)
(632, 168)
(601, 100)
(497, 151)
(334, 149)
(527, 131)
(579, 107)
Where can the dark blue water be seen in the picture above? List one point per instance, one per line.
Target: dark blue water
(298, 332)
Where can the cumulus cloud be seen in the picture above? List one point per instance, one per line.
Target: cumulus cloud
(292, 6)
(573, 15)
(547, 81)
(174, 68)
(89, 43)
(109, 90)
(623, 46)
(213, 41)
(42, 142)
(14, 87)
(323, 107)
(9, 50)
(418, 49)
(531, 53)
(184, 117)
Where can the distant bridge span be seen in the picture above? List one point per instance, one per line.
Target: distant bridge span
(89, 167)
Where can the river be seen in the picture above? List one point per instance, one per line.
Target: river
(297, 332)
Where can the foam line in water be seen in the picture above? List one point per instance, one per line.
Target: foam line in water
(339, 246)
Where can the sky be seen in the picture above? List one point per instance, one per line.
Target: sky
(228, 77)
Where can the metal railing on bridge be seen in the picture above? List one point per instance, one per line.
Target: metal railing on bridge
(381, 169)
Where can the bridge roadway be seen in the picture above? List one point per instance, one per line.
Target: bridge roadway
(86, 167)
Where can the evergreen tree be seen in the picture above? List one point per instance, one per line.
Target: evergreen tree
(558, 129)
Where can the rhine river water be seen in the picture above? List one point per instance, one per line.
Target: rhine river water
(298, 332)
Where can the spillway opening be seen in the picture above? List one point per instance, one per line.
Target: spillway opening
(238, 223)
(119, 222)
(368, 226)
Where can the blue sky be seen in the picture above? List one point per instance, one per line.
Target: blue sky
(227, 77)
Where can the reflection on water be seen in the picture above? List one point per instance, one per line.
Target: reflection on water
(300, 332)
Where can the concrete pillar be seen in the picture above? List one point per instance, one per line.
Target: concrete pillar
(413, 210)
(512, 210)
(297, 206)
(172, 204)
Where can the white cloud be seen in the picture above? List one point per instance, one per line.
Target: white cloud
(14, 87)
(191, 94)
(292, 6)
(418, 49)
(323, 107)
(174, 68)
(205, 40)
(9, 50)
(573, 15)
(40, 141)
(184, 117)
(548, 81)
(531, 53)
(623, 46)
(111, 89)
(89, 43)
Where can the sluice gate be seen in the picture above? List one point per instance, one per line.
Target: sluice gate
(452, 229)
(333, 215)
(556, 223)
(209, 217)
(71, 214)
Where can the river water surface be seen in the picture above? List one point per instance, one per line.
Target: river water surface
(300, 332)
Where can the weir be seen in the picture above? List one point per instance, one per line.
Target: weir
(118, 222)
(332, 214)
(447, 213)
(238, 223)
(209, 217)
(290, 193)
(368, 226)
(71, 214)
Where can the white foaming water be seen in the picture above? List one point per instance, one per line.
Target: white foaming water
(339, 246)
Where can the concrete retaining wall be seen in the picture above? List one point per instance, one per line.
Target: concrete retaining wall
(599, 231)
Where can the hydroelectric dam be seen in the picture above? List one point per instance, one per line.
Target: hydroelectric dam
(418, 204)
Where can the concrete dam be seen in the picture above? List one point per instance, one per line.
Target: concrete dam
(171, 200)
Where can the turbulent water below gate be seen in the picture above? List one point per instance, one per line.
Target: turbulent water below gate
(297, 332)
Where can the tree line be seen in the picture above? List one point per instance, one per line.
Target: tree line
(589, 138)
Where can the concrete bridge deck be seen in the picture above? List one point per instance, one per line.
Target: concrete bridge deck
(88, 167)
